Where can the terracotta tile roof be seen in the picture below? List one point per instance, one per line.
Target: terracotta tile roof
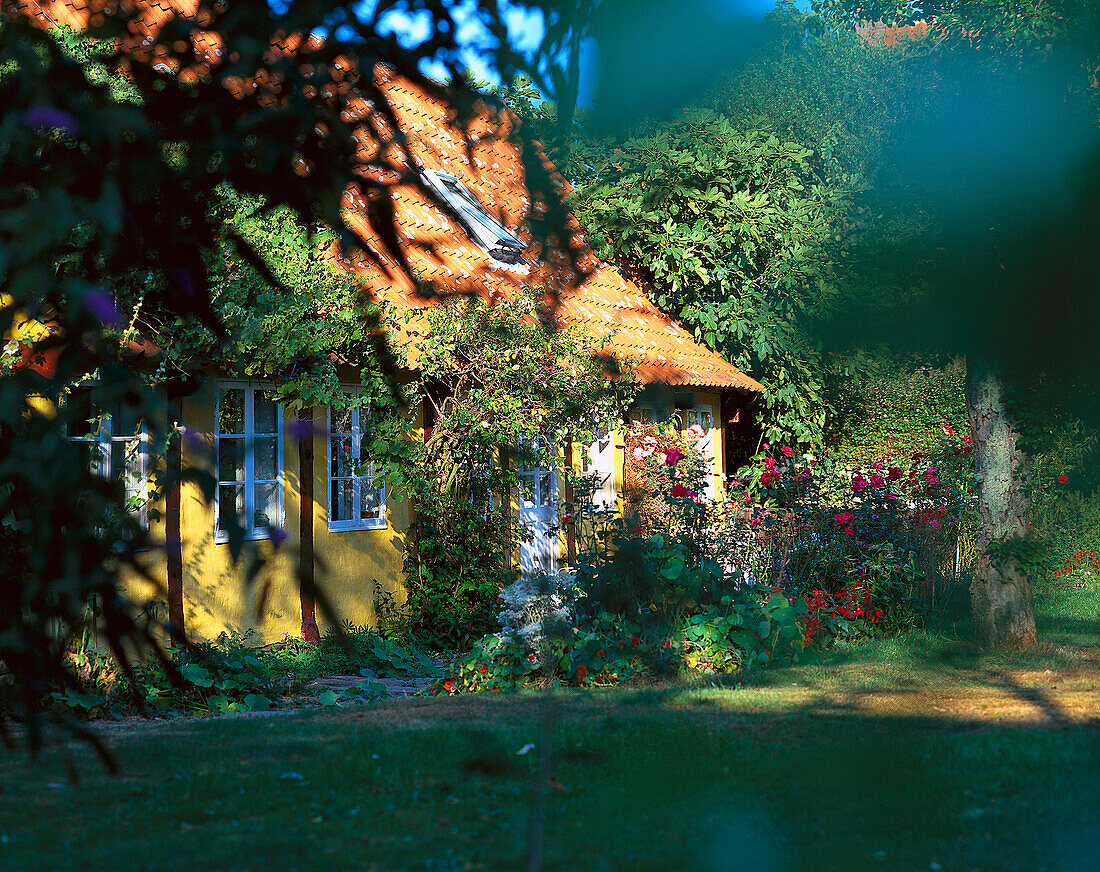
(484, 156)
(610, 308)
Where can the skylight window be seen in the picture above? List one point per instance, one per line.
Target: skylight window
(500, 243)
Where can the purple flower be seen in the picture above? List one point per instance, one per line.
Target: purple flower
(102, 305)
(52, 117)
(299, 429)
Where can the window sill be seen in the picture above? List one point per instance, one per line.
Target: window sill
(357, 526)
(223, 538)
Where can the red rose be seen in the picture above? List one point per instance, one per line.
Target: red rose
(787, 451)
(600, 654)
(483, 669)
(1062, 479)
(634, 640)
(582, 670)
(531, 657)
(877, 480)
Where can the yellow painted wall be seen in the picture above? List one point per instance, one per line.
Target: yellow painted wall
(352, 566)
(355, 566)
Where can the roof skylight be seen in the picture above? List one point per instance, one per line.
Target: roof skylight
(500, 243)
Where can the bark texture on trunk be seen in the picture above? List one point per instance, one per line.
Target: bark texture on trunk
(1000, 595)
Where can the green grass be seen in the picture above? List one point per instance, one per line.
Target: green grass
(682, 782)
(771, 776)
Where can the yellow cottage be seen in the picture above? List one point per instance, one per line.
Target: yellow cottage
(296, 485)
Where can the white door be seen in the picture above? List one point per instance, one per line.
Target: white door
(539, 514)
(703, 416)
(601, 464)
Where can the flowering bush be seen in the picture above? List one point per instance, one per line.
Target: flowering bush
(1081, 569)
(820, 531)
(662, 466)
(801, 553)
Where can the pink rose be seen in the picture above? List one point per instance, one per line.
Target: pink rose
(672, 456)
(877, 480)
(769, 462)
(858, 484)
(639, 454)
(894, 473)
(878, 464)
(787, 451)
(768, 477)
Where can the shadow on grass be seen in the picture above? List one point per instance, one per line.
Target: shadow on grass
(646, 780)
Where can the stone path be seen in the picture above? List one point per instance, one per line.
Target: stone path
(395, 687)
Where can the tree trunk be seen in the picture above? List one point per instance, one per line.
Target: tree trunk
(1000, 595)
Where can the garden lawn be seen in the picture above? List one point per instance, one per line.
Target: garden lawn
(913, 754)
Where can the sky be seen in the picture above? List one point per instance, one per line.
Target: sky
(526, 31)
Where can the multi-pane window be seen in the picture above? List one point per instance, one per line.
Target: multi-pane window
(601, 468)
(357, 496)
(117, 445)
(650, 413)
(249, 450)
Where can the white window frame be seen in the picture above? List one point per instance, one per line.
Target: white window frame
(598, 462)
(493, 237)
(358, 413)
(249, 437)
(104, 438)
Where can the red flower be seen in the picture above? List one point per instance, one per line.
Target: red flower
(582, 670)
(858, 484)
(483, 669)
(668, 643)
(672, 455)
(948, 430)
(1062, 479)
(769, 463)
(531, 657)
(877, 480)
(893, 473)
(769, 477)
(448, 685)
(600, 654)
(844, 518)
(678, 490)
(787, 451)
(634, 640)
